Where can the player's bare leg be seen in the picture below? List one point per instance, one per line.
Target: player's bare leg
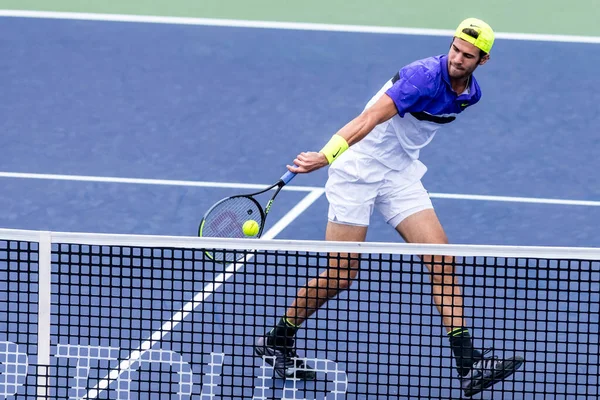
(342, 269)
(478, 372)
(425, 227)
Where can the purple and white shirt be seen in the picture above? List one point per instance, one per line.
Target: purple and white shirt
(425, 101)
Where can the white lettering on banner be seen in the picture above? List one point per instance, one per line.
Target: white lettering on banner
(83, 355)
(267, 370)
(211, 377)
(182, 368)
(336, 376)
(13, 369)
(14, 366)
(340, 379)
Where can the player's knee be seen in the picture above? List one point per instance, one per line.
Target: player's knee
(343, 279)
(343, 270)
(442, 270)
(446, 278)
(353, 267)
(345, 282)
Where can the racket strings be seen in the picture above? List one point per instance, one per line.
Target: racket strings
(227, 218)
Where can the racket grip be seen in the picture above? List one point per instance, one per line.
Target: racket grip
(287, 177)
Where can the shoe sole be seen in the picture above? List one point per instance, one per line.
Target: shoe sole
(308, 376)
(517, 363)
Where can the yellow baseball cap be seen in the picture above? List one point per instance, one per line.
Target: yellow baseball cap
(485, 39)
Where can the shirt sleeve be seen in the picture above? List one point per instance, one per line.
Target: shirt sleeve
(413, 90)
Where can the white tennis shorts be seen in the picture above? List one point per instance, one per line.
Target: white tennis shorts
(358, 183)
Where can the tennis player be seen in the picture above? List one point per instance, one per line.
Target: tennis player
(377, 167)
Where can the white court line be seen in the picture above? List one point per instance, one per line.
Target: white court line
(284, 25)
(140, 181)
(511, 199)
(200, 297)
(165, 182)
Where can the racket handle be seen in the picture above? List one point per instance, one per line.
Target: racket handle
(287, 177)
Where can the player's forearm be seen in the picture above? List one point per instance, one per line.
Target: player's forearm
(356, 130)
(351, 133)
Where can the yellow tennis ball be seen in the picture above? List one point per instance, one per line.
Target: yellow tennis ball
(250, 228)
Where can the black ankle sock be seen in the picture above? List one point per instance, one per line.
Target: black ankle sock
(462, 348)
(283, 333)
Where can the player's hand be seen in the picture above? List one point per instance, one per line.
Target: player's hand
(307, 162)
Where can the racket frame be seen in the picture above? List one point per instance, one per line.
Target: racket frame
(284, 180)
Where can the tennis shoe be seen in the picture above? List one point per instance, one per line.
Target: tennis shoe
(284, 359)
(487, 371)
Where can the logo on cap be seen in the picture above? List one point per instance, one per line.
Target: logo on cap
(482, 37)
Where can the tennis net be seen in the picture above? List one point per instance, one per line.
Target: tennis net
(91, 316)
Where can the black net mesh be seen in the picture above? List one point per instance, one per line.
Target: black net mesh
(18, 318)
(144, 323)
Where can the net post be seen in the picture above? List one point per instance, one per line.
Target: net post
(44, 310)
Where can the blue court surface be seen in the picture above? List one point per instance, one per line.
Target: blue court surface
(235, 105)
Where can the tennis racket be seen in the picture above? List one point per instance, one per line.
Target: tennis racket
(226, 218)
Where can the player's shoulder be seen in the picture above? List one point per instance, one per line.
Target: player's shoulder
(426, 72)
(429, 65)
